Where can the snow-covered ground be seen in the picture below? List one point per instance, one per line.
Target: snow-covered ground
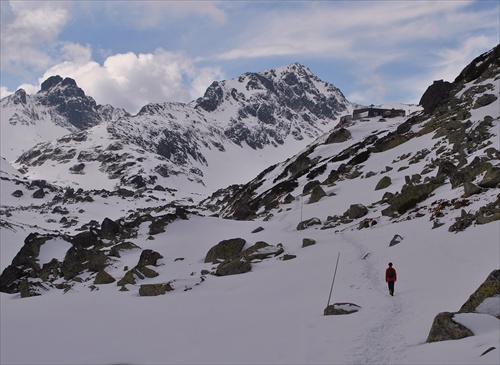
(273, 314)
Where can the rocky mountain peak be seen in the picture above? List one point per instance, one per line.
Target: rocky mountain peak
(70, 101)
(19, 97)
(51, 82)
(266, 107)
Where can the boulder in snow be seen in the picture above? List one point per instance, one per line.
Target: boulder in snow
(341, 308)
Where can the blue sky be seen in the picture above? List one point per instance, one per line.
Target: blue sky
(130, 53)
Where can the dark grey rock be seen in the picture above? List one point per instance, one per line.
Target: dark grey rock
(149, 257)
(383, 183)
(17, 193)
(357, 211)
(395, 240)
(235, 266)
(471, 189)
(339, 136)
(39, 194)
(151, 290)
(435, 95)
(306, 242)
(308, 223)
(444, 329)
(103, 277)
(109, 229)
(341, 309)
(489, 288)
(225, 250)
(316, 194)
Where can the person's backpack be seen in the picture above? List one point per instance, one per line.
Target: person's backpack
(390, 273)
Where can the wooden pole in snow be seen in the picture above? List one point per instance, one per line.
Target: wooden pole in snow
(333, 281)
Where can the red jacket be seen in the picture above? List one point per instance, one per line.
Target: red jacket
(387, 278)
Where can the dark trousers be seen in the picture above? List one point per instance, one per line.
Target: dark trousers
(391, 286)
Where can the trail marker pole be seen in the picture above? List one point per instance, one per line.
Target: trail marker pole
(333, 281)
(301, 206)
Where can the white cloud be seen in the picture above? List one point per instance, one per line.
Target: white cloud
(4, 91)
(131, 80)
(76, 53)
(30, 32)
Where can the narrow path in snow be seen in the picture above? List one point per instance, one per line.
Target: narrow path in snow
(382, 341)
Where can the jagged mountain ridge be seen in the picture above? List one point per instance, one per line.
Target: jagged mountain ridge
(282, 101)
(254, 114)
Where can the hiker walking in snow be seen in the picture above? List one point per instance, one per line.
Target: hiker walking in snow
(390, 278)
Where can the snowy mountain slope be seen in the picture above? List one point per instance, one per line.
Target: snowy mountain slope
(446, 166)
(259, 117)
(60, 107)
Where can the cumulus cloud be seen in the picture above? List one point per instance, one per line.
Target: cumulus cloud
(4, 91)
(131, 80)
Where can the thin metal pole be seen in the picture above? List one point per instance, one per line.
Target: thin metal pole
(301, 206)
(333, 281)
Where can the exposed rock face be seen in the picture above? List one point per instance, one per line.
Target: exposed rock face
(241, 263)
(341, 308)
(357, 211)
(109, 229)
(409, 197)
(306, 242)
(435, 95)
(70, 101)
(307, 223)
(224, 250)
(149, 257)
(444, 329)
(395, 240)
(339, 136)
(383, 183)
(103, 277)
(489, 288)
(89, 255)
(151, 290)
(316, 194)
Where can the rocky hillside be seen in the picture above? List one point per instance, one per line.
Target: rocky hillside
(452, 145)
